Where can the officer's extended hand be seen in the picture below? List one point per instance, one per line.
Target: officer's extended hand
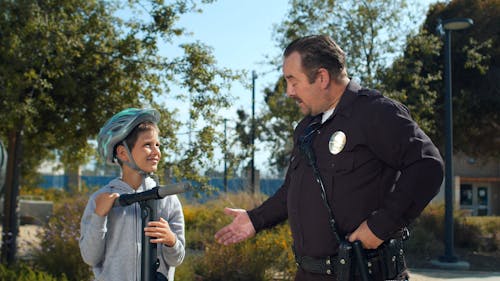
(366, 236)
(240, 229)
(104, 202)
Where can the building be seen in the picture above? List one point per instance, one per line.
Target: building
(476, 186)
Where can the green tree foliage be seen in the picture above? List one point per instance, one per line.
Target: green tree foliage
(412, 80)
(369, 31)
(66, 66)
(416, 78)
(278, 123)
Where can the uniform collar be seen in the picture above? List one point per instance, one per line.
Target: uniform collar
(344, 106)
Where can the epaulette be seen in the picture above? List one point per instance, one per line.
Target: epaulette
(368, 92)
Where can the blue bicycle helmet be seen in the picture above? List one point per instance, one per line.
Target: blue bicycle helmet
(118, 127)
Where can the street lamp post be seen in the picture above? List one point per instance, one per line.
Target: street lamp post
(448, 26)
(225, 155)
(252, 175)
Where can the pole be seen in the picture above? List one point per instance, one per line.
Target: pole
(225, 155)
(449, 255)
(254, 76)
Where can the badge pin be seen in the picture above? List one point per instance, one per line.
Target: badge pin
(337, 142)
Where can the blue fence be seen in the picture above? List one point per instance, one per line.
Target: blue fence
(267, 186)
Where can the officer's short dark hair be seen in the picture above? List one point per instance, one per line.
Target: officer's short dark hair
(319, 51)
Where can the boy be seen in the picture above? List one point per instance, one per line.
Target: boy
(111, 237)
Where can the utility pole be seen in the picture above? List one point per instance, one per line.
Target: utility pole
(225, 155)
(252, 142)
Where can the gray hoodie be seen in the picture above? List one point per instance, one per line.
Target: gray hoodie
(112, 244)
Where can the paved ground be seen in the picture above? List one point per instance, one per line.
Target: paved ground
(454, 275)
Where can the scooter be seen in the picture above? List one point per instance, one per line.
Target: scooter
(148, 201)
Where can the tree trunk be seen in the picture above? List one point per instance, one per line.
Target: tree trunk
(10, 220)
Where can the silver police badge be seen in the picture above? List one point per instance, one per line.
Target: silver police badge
(337, 142)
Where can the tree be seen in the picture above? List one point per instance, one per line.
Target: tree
(67, 65)
(369, 31)
(412, 81)
(416, 77)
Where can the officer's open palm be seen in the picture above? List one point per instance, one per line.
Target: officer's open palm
(240, 229)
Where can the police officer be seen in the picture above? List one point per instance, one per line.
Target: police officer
(361, 170)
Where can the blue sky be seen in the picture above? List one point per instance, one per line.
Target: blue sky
(240, 33)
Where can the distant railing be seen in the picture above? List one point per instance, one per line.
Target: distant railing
(267, 186)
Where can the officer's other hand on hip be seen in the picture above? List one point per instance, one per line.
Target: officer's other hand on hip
(366, 236)
(240, 229)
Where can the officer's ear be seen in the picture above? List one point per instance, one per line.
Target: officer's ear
(323, 77)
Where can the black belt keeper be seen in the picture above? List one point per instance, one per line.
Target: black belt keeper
(315, 265)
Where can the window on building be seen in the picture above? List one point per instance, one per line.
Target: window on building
(482, 201)
(466, 194)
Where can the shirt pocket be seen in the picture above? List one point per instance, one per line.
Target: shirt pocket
(342, 163)
(348, 161)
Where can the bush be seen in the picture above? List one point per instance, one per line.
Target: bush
(25, 273)
(422, 242)
(255, 259)
(59, 252)
(483, 231)
(472, 233)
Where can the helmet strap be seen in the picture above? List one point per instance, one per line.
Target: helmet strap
(132, 163)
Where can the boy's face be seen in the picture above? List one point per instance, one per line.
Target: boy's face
(146, 151)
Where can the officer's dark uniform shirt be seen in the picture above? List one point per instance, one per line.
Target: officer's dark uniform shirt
(386, 173)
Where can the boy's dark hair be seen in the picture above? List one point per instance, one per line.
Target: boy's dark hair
(131, 139)
(319, 51)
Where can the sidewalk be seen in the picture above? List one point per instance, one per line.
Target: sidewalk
(423, 274)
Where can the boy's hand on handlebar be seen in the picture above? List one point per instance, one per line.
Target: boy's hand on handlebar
(160, 232)
(104, 202)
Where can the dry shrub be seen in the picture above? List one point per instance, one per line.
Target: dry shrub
(255, 259)
(59, 253)
(472, 233)
(22, 272)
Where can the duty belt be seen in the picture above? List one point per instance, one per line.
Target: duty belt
(316, 265)
(327, 265)
(389, 256)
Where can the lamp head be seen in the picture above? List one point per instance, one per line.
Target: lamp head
(457, 23)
